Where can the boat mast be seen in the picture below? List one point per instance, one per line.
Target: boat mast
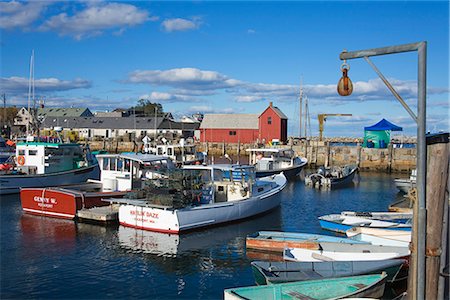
(301, 107)
(30, 90)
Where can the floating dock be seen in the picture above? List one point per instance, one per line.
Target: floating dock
(103, 214)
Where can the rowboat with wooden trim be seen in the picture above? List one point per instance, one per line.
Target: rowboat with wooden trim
(364, 286)
(266, 272)
(276, 240)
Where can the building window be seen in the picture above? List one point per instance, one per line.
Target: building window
(269, 120)
(232, 133)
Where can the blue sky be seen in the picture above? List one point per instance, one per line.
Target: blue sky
(227, 57)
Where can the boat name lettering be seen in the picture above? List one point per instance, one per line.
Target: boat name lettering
(145, 214)
(45, 200)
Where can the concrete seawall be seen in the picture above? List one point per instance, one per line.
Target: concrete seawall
(318, 153)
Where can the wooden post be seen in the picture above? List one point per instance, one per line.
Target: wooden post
(390, 155)
(436, 200)
(358, 155)
(327, 156)
(223, 148)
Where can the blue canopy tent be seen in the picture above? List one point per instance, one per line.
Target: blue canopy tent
(379, 135)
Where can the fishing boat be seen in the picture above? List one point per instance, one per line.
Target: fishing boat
(200, 196)
(270, 161)
(378, 236)
(331, 177)
(405, 184)
(43, 164)
(345, 252)
(341, 223)
(364, 286)
(119, 174)
(288, 271)
(276, 241)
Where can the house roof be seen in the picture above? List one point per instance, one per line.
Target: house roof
(383, 125)
(276, 110)
(64, 112)
(103, 122)
(230, 121)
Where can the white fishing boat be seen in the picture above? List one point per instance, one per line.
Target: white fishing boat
(331, 177)
(269, 161)
(43, 164)
(377, 236)
(200, 196)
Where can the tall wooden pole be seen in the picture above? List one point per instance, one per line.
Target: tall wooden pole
(437, 199)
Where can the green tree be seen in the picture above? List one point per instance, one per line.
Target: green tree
(147, 108)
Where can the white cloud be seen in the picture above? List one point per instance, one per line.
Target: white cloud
(210, 110)
(251, 31)
(183, 78)
(179, 24)
(192, 81)
(15, 14)
(19, 85)
(166, 97)
(249, 98)
(96, 18)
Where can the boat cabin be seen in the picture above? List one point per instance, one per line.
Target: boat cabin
(266, 159)
(44, 158)
(121, 172)
(184, 154)
(223, 183)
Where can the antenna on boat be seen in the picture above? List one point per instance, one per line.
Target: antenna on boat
(30, 90)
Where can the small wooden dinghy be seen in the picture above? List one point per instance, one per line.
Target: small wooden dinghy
(351, 252)
(340, 223)
(365, 286)
(331, 177)
(377, 236)
(289, 271)
(276, 241)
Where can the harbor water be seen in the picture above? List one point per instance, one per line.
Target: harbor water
(50, 258)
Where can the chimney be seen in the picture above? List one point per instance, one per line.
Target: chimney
(270, 103)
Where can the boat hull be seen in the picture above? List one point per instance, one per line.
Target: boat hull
(290, 173)
(281, 272)
(167, 220)
(365, 286)
(11, 184)
(61, 203)
(276, 241)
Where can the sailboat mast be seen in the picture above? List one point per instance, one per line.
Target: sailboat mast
(301, 107)
(30, 90)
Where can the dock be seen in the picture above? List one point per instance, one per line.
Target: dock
(103, 214)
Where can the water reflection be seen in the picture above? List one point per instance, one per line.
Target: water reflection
(171, 245)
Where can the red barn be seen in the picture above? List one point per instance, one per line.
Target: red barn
(244, 128)
(272, 125)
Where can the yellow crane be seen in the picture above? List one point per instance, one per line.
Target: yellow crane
(323, 117)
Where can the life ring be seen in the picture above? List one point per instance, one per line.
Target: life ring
(21, 160)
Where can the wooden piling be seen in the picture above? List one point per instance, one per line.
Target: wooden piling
(436, 200)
